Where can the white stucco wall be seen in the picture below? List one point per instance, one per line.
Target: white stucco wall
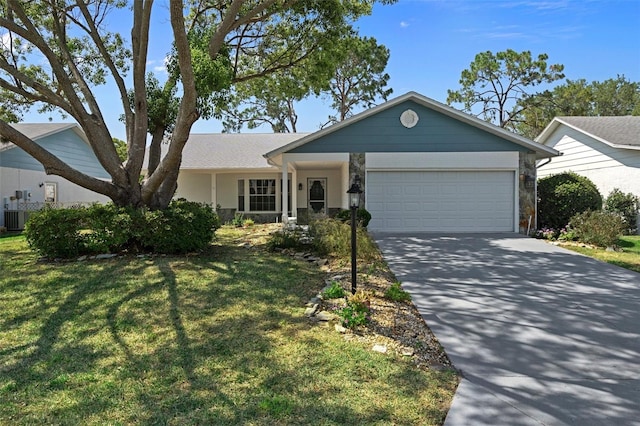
(194, 187)
(334, 186)
(12, 180)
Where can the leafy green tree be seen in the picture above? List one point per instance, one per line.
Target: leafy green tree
(615, 97)
(54, 53)
(502, 85)
(121, 148)
(271, 100)
(611, 97)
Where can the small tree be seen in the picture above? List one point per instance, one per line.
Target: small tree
(626, 205)
(564, 195)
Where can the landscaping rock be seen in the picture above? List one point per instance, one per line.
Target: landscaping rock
(340, 329)
(106, 256)
(81, 258)
(311, 310)
(379, 348)
(407, 352)
(325, 316)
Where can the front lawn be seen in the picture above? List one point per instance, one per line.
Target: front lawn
(219, 338)
(628, 258)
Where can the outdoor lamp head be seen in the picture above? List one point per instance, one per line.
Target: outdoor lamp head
(354, 193)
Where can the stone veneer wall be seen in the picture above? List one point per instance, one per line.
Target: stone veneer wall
(227, 215)
(303, 214)
(527, 192)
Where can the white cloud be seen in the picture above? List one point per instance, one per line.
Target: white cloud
(404, 24)
(158, 66)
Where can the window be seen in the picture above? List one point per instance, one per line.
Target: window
(262, 195)
(241, 195)
(51, 192)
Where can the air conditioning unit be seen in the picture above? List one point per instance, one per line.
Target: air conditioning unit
(14, 220)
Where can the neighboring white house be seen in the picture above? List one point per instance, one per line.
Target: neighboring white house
(23, 183)
(425, 167)
(604, 149)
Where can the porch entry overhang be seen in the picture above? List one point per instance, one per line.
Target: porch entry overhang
(293, 163)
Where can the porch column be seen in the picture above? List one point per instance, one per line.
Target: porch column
(294, 193)
(214, 195)
(285, 191)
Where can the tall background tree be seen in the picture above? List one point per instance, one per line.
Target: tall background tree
(350, 74)
(54, 53)
(612, 97)
(360, 78)
(500, 87)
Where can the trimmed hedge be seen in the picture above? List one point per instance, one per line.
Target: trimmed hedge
(564, 195)
(66, 233)
(55, 233)
(362, 216)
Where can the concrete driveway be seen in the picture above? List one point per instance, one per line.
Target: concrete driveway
(542, 335)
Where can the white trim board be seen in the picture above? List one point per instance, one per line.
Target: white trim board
(441, 160)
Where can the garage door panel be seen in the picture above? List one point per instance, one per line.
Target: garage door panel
(442, 201)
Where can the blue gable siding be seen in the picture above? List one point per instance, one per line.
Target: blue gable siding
(65, 145)
(383, 132)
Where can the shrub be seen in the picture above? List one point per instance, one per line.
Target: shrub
(335, 291)
(65, 233)
(55, 233)
(563, 195)
(109, 228)
(333, 237)
(183, 227)
(396, 293)
(357, 311)
(362, 216)
(600, 228)
(248, 223)
(286, 238)
(626, 205)
(237, 220)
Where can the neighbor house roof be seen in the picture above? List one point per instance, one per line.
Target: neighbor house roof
(540, 150)
(619, 132)
(232, 150)
(35, 131)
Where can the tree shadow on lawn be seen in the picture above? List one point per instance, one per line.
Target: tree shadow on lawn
(218, 338)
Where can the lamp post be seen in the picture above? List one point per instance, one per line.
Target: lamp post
(354, 202)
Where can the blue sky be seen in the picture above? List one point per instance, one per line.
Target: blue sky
(432, 41)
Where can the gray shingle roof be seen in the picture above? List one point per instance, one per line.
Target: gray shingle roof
(232, 150)
(623, 130)
(36, 131)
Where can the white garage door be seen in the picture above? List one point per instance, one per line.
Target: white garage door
(441, 201)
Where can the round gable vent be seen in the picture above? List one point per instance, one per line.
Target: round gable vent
(409, 118)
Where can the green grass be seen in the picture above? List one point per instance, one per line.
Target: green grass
(218, 338)
(628, 258)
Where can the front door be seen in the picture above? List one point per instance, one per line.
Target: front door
(317, 195)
